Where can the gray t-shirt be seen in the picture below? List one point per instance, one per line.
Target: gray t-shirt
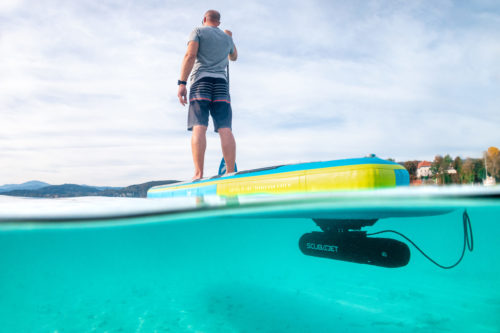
(214, 47)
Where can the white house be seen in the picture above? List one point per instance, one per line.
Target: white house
(424, 169)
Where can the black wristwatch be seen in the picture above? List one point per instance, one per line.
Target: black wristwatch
(179, 82)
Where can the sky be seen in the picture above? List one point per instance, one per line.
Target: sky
(88, 89)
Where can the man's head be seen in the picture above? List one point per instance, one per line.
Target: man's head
(211, 17)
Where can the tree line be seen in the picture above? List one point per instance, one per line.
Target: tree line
(449, 170)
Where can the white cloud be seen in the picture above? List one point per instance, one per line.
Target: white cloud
(7, 6)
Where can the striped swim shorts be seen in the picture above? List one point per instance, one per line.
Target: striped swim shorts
(210, 96)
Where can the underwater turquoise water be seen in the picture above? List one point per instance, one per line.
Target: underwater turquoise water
(210, 273)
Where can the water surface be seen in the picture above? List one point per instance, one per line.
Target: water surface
(219, 266)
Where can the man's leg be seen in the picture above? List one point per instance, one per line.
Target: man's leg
(228, 148)
(198, 147)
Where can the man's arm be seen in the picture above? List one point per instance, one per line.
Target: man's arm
(187, 66)
(232, 56)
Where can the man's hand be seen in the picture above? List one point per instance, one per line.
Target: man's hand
(181, 93)
(228, 32)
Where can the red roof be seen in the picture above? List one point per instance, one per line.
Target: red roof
(424, 164)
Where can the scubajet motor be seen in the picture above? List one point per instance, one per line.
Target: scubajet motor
(342, 240)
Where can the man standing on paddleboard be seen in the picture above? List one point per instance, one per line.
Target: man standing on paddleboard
(208, 53)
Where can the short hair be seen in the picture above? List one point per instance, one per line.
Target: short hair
(212, 15)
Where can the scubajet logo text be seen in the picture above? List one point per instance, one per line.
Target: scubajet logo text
(322, 247)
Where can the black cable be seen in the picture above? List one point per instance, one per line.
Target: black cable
(468, 241)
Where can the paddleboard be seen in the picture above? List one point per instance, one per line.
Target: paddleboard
(347, 174)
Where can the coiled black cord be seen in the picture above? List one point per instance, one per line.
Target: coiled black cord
(468, 241)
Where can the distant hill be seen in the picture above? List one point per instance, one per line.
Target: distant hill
(135, 191)
(73, 190)
(102, 188)
(31, 185)
(56, 191)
